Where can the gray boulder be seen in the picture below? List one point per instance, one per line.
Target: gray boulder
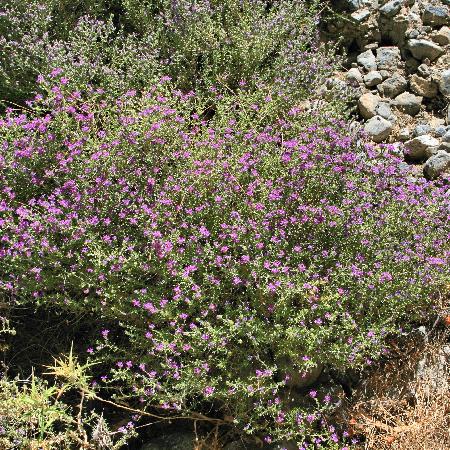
(393, 86)
(373, 78)
(423, 48)
(408, 103)
(420, 147)
(378, 128)
(435, 15)
(367, 60)
(384, 110)
(353, 76)
(437, 165)
(444, 82)
(361, 15)
(390, 9)
(421, 129)
(387, 58)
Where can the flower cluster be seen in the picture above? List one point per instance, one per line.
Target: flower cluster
(229, 259)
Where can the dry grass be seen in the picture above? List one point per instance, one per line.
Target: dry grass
(397, 410)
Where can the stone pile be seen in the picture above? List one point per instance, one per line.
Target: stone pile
(398, 54)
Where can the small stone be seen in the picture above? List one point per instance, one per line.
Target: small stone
(360, 15)
(422, 48)
(387, 58)
(393, 86)
(413, 34)
(417, 149)
(422, 86)
(390, 9)
(442, 37)
(440, 131)
(404, 134)
(421, 129)
(444, 82)
(385, 74)
(373, 78)
(437, 165)
(367, 105)
(424, 70)
(384, 110)
(378, 128)
(408, 103)
(367, 60)
(354, 76)
(435, 15)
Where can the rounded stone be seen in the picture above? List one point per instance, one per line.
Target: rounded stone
(408, 103)
(437, 165)
(373, 78)
(378, 128)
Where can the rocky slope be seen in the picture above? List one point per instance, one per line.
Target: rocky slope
(398, 57)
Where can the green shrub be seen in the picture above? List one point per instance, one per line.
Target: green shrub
(231, 259)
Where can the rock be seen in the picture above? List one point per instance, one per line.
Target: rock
(404, 134)
(444, 82)
(421, 129)
(423, 87)
(393, 86)
(408, 103)
(354, 76)
(448, 115)
(384, 110)
(435, 15)
(378, 128)
(367, 105)
(422, 48)
(387, 58)
(360, 15)
(437, 165)
(373, 78)
(442, 37)
(173, 441)
(446, 137)
(424, 71)
(367, 60)
(419, 148)
(440, 130)
(390, 9)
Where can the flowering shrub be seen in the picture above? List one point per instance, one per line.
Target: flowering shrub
(232, 257)
(210, 47)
